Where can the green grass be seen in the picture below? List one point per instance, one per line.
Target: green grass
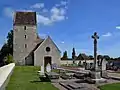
(115, 86)
(26, 78)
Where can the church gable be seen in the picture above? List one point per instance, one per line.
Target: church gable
(48, 43)
(47, 49)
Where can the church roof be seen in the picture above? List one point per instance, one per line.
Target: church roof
(38, 45)
(41, 41)
(25, 18)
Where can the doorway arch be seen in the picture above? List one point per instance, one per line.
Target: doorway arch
(47, 59)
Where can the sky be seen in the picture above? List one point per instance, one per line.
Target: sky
(70, 23)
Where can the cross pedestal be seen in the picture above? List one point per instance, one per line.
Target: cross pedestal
(96, 73)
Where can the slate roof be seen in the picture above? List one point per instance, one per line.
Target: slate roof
(35, 47)
(25, 18)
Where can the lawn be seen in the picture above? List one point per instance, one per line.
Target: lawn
(26, 78)
(115, 86)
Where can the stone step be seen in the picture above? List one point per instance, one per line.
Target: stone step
(64, 85)
(75, 86)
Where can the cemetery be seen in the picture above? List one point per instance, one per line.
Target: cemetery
(53, 77)
(60, 45)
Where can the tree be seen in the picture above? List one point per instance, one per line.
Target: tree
(7, 48)
(91, 57)
(106, 57)
(8, 59)
(99, 57)
(10, 42)
(65, 55)
(73, 54)
(3, 52)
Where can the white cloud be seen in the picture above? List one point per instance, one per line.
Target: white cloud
(57, 14)
(62, 42)
(66, 17)
(38, 5)
(107, 34)
(57, 5)
(43, 20)
(54, 14)
(42, 35)
(62, 11)
(55, 18)
(117, 27)
(8, 12)
(63, 2)
(26, 10)
(55, 10)
(44, 10)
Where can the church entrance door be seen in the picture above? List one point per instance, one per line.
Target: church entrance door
(47, 60)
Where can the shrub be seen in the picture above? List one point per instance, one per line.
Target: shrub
(9, 59)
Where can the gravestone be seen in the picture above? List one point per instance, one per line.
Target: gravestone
(42, 71)
(104, 63)
(99, 62)
(54, 66)
(87, 66)
(48, 68)
(103, 67)
(91, 65)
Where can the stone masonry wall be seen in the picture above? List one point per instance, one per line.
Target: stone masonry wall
(19, 41)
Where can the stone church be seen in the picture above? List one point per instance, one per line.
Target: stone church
(28, 47)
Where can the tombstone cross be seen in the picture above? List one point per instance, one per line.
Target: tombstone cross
(95, 37)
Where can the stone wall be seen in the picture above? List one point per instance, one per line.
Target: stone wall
(23, 42)
(76, 61)
(5, 73)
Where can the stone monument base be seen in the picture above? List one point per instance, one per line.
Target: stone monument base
(96, 77)
(98, 81)
(95, 74)
(104, 74)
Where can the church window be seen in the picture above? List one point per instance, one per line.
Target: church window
(47, 49)
(25, 45)
(24, 27)
(25, 36)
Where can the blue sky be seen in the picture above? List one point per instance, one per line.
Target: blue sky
(70, 23)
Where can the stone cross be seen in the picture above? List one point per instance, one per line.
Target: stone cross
(95, 37)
